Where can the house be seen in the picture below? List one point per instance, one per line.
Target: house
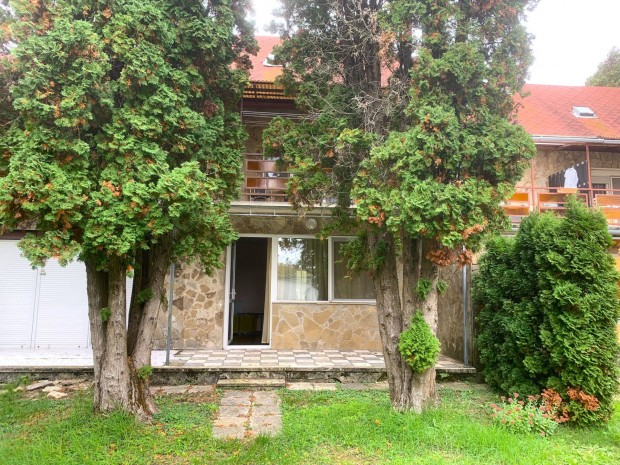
(280, 287)
(577, 133)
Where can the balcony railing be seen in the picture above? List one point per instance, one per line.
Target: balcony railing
(263, 182)
(527, 199)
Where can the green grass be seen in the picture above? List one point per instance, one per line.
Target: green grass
(341, 427)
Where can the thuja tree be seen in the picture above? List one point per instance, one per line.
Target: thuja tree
(548, 306)
(410, 119)
(125, 153)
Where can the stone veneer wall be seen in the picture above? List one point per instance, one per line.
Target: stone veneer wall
(197, 310)
(325, 326)
(547, 162)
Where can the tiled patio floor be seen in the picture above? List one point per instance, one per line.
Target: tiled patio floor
(233, 358)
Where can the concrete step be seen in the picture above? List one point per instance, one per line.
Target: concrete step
(258, 383)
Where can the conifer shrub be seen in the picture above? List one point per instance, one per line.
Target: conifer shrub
(547, 304)
(418, 345)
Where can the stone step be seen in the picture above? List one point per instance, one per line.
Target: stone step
(258, 383)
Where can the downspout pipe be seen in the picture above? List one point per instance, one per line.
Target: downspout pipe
(465, 319)
(170, 299)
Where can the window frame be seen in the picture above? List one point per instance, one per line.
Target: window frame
(330, 272)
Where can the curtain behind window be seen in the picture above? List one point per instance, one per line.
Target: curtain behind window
(302, 269)
(348, 284)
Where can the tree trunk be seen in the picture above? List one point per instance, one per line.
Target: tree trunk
(416, 267)
(120, 379)
(143, 321)
(409, 391)
(107, 313)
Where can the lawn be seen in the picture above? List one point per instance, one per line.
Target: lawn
(339, 427)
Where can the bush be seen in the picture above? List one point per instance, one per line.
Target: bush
(418, 345)
(548, 305)
(533, 415)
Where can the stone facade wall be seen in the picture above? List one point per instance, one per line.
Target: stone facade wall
(284, 225)
(325, 326)
(450, 328)
(197, 310)
(546, 162)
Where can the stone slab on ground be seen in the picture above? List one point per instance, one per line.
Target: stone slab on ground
(248, 413)
(252, 383)
(183, 389)
(302, 386)
(39, 385)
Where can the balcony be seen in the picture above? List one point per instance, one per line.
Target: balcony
(527, 199)
(262, 180)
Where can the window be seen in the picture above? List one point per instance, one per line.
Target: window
(347, 284)
(303, 268)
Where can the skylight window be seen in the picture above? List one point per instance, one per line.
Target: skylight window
(271, 61)
(583, 112)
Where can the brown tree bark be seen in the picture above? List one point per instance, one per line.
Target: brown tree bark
(107, 313)
(409, 391)
(143, 320)
(121, 354)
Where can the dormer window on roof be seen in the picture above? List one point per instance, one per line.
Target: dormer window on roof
(271, 61)
(583, 112)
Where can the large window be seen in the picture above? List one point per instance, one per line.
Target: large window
(303, 268)
(349, 285)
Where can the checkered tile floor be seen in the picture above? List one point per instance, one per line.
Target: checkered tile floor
(233, 358)
(287, 359)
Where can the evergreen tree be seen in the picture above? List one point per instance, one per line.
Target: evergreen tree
(411, 119)
(608, 72)
(126, 153)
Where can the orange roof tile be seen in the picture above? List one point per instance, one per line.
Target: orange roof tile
(548, 111)
(259, 71)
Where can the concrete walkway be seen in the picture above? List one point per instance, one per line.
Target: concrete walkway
(245, 414)
(232, 358)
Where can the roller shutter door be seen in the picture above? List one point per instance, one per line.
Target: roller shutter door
(18, 284)
(45, 308)
(62, 312)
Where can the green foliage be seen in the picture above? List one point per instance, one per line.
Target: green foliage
(442, 286)
(145, 371)
(105, 314)
(548, 306)
(429, 152)
(423, 288)
(144, 295)
(418, 345)
(522, 417)
(608, 72)
(125, 127)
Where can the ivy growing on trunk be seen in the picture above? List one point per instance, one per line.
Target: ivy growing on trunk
(410, 119)
(123, 147)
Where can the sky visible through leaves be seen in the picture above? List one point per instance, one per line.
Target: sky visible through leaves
(572, 37)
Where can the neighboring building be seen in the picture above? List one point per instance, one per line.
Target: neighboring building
(282, 288)
(577, 133)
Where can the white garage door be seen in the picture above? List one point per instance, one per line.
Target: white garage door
(42, 307)
(18, 282)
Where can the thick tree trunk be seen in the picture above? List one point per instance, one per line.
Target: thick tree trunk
(120, 379)
(416, 267)
(409, 391)
(143, 320)
(107, 313)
